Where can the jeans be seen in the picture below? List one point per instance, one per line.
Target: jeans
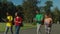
(17, 28)
(7, 28)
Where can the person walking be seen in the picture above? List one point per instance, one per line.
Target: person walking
(18, 22)
(38, 18)
(8, 23)
(48, 23)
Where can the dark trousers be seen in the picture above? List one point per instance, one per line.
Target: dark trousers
(7, 28)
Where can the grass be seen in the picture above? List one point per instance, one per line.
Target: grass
(26, 26)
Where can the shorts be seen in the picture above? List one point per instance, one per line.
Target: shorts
(48, 25)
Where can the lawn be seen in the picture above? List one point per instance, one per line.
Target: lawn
(26, 26)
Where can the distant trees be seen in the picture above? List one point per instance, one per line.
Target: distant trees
(48, 6)
(8, 7)
(28, 8)
(56, 14)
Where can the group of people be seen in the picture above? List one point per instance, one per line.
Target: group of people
(9, 24)
(40, 18)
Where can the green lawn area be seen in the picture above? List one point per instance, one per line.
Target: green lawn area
(26, 26)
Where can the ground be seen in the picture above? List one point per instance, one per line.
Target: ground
(55, 30)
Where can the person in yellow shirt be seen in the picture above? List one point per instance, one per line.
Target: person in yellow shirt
(9, 23)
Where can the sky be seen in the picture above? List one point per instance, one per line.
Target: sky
(56, 3)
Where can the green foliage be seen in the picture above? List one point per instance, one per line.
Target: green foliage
(26, 26)
(29, 7)
(6, 7)
(34, 23)
(9, 7)
(49, 3)
(56, 14)
(48, 6)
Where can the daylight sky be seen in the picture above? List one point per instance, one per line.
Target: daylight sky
(56, 3)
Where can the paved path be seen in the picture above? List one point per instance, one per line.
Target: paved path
(55, 30)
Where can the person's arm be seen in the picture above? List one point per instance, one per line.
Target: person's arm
(44, 20)
(20, 20)
(42, 17)
(14, 20)
(11, 18)
(51, 21)
(35, 18)
(4, 19)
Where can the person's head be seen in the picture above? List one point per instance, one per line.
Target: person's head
(7, 13)
(37, 12)
(47, 15)
(17, 14)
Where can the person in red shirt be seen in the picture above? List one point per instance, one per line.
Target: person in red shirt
(18, 22)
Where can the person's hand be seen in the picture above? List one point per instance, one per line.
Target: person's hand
(34, 19)
(19, 22)
(15, 21)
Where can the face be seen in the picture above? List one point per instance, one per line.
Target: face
(37, 12)
(16, 14)
(46, 16)
(7, 13)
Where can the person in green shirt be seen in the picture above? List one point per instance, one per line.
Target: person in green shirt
(38, 18)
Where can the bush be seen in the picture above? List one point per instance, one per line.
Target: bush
(34, 23)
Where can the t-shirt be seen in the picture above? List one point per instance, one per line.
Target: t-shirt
(18, 21)
(9, 23)
(39, 18)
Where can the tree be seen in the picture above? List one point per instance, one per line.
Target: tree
(6, 7)
(48, 6)
(29, 7)
(20, 10)
(11, 8)
(56, 13)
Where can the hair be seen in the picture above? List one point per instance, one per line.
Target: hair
(49, 15)
(8, 13)
(19, 14)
